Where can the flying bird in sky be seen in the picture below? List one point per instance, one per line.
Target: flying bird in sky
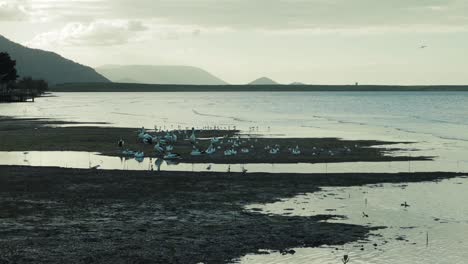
(423, 47)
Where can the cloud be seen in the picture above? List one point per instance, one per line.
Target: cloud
(97, 33)
(298, 14)
(270, 15)
(13, 11)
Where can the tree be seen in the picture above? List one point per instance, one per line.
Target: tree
(7, 70)
(30, 86)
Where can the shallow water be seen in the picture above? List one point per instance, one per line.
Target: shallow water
(435, 120)
(84, 160)
(436, 211)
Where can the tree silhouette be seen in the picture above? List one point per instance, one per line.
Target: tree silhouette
(7, 70)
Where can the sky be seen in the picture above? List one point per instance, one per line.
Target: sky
(309, 41)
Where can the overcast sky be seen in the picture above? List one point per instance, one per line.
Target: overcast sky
(311, 41)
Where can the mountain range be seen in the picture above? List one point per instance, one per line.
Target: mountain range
(159, 74)
(49, 66)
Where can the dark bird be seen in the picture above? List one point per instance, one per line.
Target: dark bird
(345, 259)
(423, 47)
(405, 204)
(364, 214)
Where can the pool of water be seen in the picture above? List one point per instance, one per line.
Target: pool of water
(433, 229)
(83, 160)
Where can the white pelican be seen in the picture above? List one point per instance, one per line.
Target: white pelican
(210, 150)
(274, 151)
(296, 151)
(193, 138)
(171, 156)
(230, 152)
(195, 152)
(139, 154)
(158, 148)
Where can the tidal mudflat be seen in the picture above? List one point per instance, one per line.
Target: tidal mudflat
(54, 215)
(49, 135)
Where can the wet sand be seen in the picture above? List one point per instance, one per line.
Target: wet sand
(54, 215)
(50, 135)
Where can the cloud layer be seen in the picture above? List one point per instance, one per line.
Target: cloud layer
(97, 33)
(257, 14)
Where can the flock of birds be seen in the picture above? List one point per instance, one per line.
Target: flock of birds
(164, 145)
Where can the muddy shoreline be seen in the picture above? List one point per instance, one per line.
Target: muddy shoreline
(54, 215)
(51, 135)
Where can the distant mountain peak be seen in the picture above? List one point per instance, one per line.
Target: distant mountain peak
(49, 66)
(263, 81)
(297, 83)
(160, 74)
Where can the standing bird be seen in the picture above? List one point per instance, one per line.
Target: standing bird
(121, 143)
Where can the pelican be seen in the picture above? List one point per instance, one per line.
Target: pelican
(171, 156)
(158, 163)
(128, 152)
(274, 151)
(296, 151)
(139, 154)
(195, 152)
(158, 148)
(193, 138)
(210, 150)
(142, 133)
(169, 148)
(230, 152)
